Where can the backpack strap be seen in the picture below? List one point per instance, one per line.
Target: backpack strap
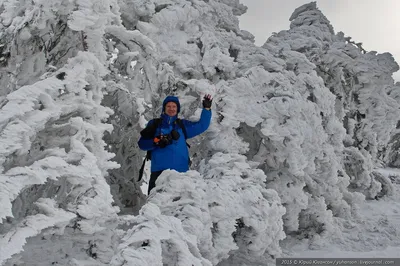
(142, 169)
(179, 122)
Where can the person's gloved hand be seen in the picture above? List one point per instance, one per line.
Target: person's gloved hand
(162, 141)
(207, 101)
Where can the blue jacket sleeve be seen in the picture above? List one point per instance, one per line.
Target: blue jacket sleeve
(146, 143)
(196, 128)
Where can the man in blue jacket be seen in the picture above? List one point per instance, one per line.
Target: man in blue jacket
(166, 139)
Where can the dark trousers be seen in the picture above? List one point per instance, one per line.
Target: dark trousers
(153, 178)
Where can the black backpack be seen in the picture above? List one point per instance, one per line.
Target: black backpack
(156, 124)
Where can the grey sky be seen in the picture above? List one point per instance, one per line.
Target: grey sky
(374, 23)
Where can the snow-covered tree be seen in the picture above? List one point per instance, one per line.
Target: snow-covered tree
(190, 57)
(63, 113)
(223, 212)
(270, 105)
(296, 134)
(392, 157)
(360, 82)
(53, 160)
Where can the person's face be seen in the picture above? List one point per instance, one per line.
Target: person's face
(171, 109)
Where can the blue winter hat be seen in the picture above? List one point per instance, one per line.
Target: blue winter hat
(171, 99)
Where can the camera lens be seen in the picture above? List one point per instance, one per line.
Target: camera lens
(175, 134)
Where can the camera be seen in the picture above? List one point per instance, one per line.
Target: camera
(175, 134)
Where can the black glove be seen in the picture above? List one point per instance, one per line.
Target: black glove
(162, 141)
(207, 101)
(175, 134)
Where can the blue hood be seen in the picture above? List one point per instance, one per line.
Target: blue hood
(171, 99)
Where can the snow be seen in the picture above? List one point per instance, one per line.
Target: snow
(298, 160)
(374, 234)
(13, 241)
(186, 197)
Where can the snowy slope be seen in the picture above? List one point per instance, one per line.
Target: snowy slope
(374, 233)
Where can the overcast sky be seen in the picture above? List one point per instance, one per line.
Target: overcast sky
(375, 23)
